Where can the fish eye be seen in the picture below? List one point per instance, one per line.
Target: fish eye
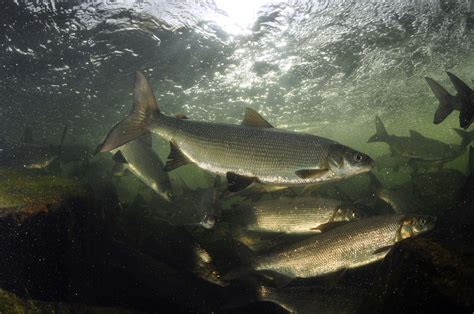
(358, 157)
(422, 221)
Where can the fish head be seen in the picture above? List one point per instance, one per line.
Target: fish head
(346, 213)
(412, 226)
(345, 161)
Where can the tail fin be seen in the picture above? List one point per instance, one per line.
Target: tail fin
(464, 93)
(135, 124)
(445, 101)
(381, 134)
(467, 136)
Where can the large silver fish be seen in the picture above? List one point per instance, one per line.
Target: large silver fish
(251, 152)
(303, 215)
(349, 246)
(141, 160)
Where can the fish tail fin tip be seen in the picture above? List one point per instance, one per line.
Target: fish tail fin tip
(136, 123)
(445, 106)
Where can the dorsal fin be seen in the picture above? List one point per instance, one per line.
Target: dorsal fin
(415, 134)
(254, 119)
(27, 136)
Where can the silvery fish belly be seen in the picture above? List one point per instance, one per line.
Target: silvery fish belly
(349, 246)
(299, 215)
(252, 152)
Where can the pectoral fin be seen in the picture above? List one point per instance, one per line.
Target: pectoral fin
(253, 119)
(311, 173)
(328, 226)
(119, 158)
(384, 249)
(280, 280)
(237, 182)
(176, 158)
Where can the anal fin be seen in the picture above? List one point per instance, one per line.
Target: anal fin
(176, 158)
(383, 249)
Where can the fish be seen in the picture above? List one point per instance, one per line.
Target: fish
(141, 160)
(29, 154)
(302, 215)
(463, 101)
(254, 151)
(208, 206)
(312, 299)
(401, 199)
(419, 147)
(349, 246)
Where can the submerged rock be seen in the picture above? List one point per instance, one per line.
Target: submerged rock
(75, 251)
(422, 276)
(26, 193)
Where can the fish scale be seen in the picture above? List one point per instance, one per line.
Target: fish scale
(300, 215)
(348, 246)
(269, 154)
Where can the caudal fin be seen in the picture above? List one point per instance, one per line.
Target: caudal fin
(467, 136)
(381, 133)
(464, 93)
(136, 123)
(445, 101)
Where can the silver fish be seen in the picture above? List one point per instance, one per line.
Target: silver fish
(299, 215)
(349, 246)
(141, 160)
(247, 153)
